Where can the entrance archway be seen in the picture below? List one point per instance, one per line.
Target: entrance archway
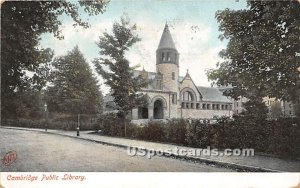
(143, 113)
(158, 111)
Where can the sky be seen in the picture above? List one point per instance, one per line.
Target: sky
(192, 25)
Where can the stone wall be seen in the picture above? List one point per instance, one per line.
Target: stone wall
(169, 84)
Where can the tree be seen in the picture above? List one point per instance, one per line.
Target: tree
(262, 54)
(115, 69)
(14, 100)
(75, 89)
(22, 23)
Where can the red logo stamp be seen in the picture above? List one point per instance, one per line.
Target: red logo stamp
(9, 158)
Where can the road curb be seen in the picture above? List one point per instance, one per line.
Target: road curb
(234, 166)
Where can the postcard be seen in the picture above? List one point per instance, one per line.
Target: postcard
(150, 93)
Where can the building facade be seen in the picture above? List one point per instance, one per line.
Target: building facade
(172, 96)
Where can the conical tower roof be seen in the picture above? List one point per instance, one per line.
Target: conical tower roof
(166, 40)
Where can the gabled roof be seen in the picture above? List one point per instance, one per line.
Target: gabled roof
(180, 78)
(187, 76)
(212, 94)
(151, 76)
(166, 40)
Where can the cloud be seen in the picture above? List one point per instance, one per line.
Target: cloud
(192, 41)
(84, 38)
(198, 64)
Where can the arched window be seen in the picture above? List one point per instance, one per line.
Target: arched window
(187, 96)
(159, 78)
(158, 112)
(163, 57)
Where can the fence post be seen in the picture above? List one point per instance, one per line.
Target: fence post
(46, 116)
(78, 124)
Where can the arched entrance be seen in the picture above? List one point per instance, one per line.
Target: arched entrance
(143, 113)
(158, 111)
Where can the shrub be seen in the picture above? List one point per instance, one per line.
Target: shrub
(284, 138)
(200, 134)
(175, 131)
(110, 124)
(134, 131)
(154, 131)
(281, 137)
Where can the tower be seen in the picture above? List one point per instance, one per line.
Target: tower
(167, 61)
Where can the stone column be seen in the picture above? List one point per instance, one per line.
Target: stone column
(150, 112)
(135, 114)
(166, 113)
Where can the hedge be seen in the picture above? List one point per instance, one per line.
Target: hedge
(280, 137)
(64, 122)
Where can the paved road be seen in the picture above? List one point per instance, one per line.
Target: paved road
(46, 152)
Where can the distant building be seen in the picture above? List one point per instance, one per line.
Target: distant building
(276, 108)
(288, 109)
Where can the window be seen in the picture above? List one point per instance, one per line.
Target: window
(187, 96)
(197, 105)
(168, 56)
(226, 107)
(158, 84)
(237, 103)
(290, 112)
(174, 99)
(163, 57)
(213, 106)
(203, 106)
(173, 75)
(208, 106)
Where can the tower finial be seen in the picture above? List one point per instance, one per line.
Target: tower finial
(166, 26)
(166, 40)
